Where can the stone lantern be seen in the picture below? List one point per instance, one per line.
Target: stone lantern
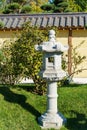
(52, 72)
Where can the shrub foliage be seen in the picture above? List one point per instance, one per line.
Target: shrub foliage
(26, 60)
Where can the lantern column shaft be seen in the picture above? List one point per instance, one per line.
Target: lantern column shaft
(52, 97)
(52, 118)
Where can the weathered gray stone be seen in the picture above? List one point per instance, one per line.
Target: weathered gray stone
(52, 72)
(52, 120)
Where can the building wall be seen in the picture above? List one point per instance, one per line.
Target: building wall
(7, 36)
(78, 36)
(62, 36)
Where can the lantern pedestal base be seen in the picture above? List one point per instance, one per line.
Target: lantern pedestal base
(51, 120)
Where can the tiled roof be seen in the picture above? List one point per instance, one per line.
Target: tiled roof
(60, 20)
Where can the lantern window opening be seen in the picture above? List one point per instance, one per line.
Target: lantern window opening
(51, 59)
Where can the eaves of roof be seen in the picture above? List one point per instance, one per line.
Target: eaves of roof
(60, 20)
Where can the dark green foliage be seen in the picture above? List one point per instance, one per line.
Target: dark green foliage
(82, 4)
(6, 11)
(69, 6)
(26, 9)
(19, 1)
(35, 6)
(7, 72)
(12, 8)
(51, 6)
(47, 7)
(56, 6)
(60, 5)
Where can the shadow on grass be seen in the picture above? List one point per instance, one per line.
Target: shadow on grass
(74, 85)
(26, 86)
(18, 99)
(79, 122)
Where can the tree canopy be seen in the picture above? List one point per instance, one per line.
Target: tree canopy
(66, 6)
(35, 6)
(21, 6)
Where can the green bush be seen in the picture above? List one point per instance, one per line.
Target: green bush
(47, 7)
(11, 8)
(26, 9)
(27, 61)
(20, 1)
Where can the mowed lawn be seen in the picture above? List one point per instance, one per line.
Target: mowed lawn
(19, 108)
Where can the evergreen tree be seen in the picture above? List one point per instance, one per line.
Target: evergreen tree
(47, 7)
(57, 6)
(82, 4)
(73, 7)
(21, 6)
(39, 5)
(60, 6)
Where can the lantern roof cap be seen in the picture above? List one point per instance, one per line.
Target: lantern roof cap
(52, 45)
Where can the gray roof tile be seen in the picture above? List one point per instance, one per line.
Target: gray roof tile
(43, 22)
(56, 21)
(68, 22)
(14, 23)
(9, 23)
(60, 20)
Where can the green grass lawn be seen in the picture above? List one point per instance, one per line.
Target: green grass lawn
(19, 109)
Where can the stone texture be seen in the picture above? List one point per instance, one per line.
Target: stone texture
(52, 72)
(52, 120)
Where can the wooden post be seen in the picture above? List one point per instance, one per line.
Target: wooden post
(70, 52)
